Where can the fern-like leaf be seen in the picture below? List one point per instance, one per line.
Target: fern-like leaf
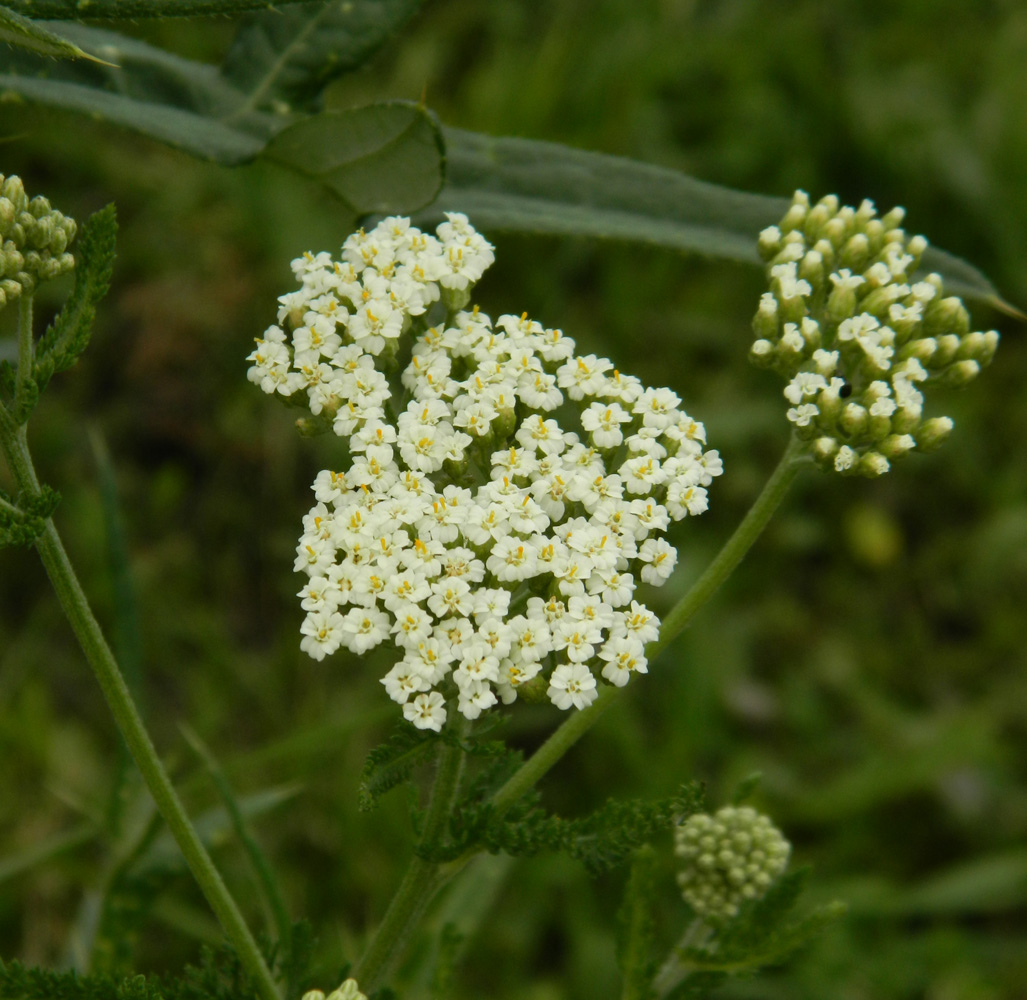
(392, 762)
(68, 335)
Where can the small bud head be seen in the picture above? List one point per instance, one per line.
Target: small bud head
(960, 373)
(933, 432)
(873, 464)
(728, 858)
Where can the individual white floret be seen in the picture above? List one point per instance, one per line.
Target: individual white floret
(426, 711)
(364, 628)
(572, 685)
(623, 657)
(475, 698)
(404, 680)
(322, 633)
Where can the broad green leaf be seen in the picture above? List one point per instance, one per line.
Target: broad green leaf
(522, 185)
(193, 133)
(282, 60)
(116, 10)
(174, 100)
(385, 158)
(24, 33)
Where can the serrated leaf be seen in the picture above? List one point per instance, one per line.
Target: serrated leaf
(68, 335)
(283, 60)
(392, 762)
(385, 158)
(523, 185)
(24, 33)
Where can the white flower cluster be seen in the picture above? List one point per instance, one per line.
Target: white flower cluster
(856, 334)
(728, 858)
(498, 550)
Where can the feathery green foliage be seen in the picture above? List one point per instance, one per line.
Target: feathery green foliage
(636, 927)
(68, 335)
(23, 518)
(392, 762)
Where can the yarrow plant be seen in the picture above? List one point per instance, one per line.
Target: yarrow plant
(504, 495)
(858, 334)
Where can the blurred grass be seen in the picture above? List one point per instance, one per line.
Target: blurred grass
(868, 658)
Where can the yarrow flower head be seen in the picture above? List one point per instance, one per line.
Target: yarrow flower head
(859, 334)
(501, 497)
(728, 858)
(34, 240)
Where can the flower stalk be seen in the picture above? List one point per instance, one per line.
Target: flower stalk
(87, 630)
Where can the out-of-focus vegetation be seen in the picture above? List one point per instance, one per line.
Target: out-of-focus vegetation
(868, 657)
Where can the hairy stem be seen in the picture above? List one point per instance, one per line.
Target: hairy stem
(420, 883)
(724, 563)
(76, 607)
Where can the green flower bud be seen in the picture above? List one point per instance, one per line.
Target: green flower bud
(455, 299)
(762, 353)
(811, 268)
(893, 219)
(769, 243)
(727, 859)
(835, 232)
(945, 353)
(853, 419)
(856, 253)
(765, 323)
(960, 373)
(7, 214)
(933, 432)
(922, 349)
(896, 445)
(873, 464)
(946, 316)
(13, 189)
(979, 347)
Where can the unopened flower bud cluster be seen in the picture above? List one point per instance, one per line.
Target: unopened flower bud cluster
(349, 990)
(34, 240)
(504, 495)
(728, 858)
(858, 334)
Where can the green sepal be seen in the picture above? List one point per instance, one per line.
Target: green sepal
(68, 335)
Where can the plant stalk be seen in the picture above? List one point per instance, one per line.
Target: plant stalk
(724, 563)
(422, 880)
(79, 614)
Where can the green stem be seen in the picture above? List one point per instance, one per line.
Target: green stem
(76, 607)
(25, 345)
(734, 549)
(420, 883)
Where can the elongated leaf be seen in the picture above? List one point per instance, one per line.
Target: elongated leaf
(116, 10)
(194, 133)
(522, 185)
(24, 33)
(384, 158)
(282, 60)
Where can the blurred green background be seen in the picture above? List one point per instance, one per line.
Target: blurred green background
(868, 658)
